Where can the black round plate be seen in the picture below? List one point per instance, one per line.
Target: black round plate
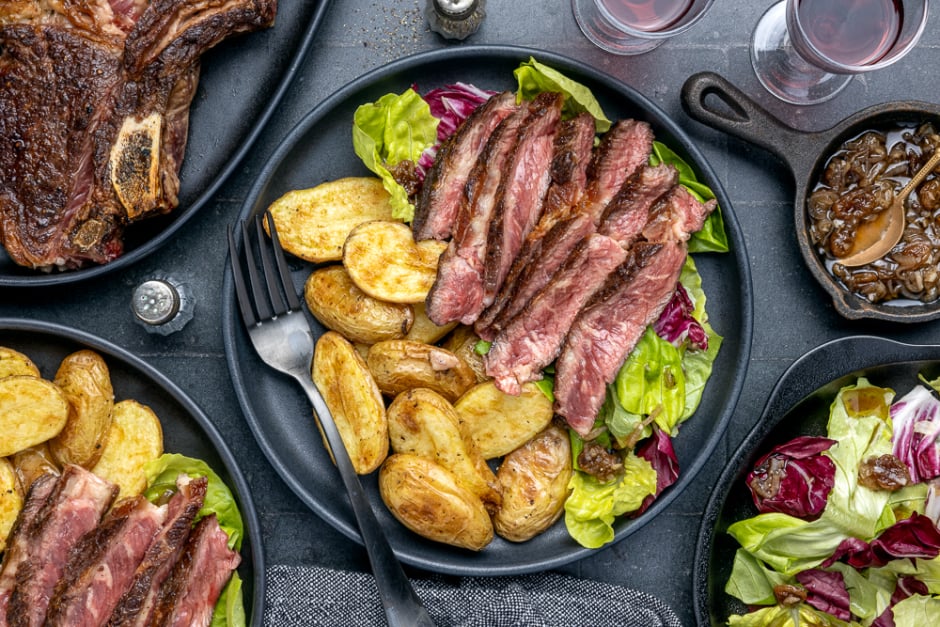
(241, 83)
(186, 429)
(798, 405)
(319, 149)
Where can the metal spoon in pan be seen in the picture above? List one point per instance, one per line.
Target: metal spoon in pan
(876, 238)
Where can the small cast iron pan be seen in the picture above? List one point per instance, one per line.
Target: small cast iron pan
(798, 405)
(806, 153)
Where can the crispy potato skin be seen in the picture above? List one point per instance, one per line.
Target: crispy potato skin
(534, 483)
(32, 410)
(314, 223)
(422, 422)
(340, 306)
(33, 462)
(401, 365)
(134, 438)
(499, 423)
(86, 381)
(386, 263)
(11, 500)
(15, 363)
(427, 498)
(462, 342)
(354, 401)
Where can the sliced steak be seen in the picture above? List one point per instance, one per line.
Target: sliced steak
(573, 146)
(457, 293)
(137, 605)
(676, 216)
(95, 106)
(102, 564)
(188, 596)
(522, 191)
(629, 211)
(608, 328)
(624, 148)
(74, 508)
(534, 337)
(439, 200)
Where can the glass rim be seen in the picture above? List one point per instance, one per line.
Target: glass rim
(658, 34)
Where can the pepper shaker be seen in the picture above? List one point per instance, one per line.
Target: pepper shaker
(163, 304)
(455, 19)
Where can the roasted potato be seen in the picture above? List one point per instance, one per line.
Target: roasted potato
(422, 422)
(339, 305)
(499, 423)
(534, 483)
(384, 260)
(463, 342)
(314, 223)
(400, 365)
(32, 463)
(11, 500)
(14, 363)
(32, 410)
(354, 400)
(428, 499)
(86, 381)
(423, 330)
(134, 438)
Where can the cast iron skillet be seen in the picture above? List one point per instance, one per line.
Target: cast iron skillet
(319, 149)
(241, 84)
(798, 405)
(186, 428)
(806, 153)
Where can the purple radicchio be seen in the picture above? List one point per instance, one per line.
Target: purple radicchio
(907, 586)
(658, 451)
(912, 537)
(826, 592)
(794, 478)
(451, 104)
(676, 324)
(916, 420)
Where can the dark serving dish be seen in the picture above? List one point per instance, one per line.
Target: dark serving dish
(241, 83)
(186, 429)
(798, 405)
(806, 154)
(318, 149)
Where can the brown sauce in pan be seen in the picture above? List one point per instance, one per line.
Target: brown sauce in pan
(858, 182)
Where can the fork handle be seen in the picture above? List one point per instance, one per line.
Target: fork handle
(402, 605)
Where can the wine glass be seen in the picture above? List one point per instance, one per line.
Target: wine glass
(806, 51)
(635, 26)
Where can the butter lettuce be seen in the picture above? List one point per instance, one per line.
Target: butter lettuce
(917, 611)
(534, 78)
(778, 616)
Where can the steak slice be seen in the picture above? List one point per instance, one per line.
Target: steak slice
(624, 148)
(95, 108)
(137, 605)
(102, 564)
(628, 213)
(676, 216)
(188, 596)
(608, 328)
(534, 337)
(439, 200)
(522, 191)
(457, 293)
(75, 507)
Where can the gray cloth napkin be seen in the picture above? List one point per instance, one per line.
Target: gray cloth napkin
(309, 595)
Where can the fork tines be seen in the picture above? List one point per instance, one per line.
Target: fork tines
(261, 299)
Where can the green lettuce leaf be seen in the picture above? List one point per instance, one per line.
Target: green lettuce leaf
(869, 596)
(697, 365)
(229, 609)
(917, 611)
(786, 543)
(534, 78)
(652, 379)
(752, 582)
(802, 615)
(393, 129)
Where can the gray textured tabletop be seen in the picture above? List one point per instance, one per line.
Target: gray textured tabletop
(792, 314)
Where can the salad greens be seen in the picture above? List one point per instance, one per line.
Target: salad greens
(870, 557)
(161, 478)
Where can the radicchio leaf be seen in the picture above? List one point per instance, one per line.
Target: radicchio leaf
(916, 425)
(451, 104)
(658, 451)
(912, 537)
(826, 592)
(906, 587)
(676, 323)
(794, 478)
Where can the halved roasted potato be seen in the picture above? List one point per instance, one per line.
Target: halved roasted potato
(534, 483)
(463, 343)
(134, 438)
(11, 500)
(499, 423)
(339, 305)
(32, 463)
(314, 223)
(400, 365)
(32, 410)
(354, 401)
(86, 381)
(422, 422)
(428, 499)
(384, 260)
(15, 363)
(423, 330)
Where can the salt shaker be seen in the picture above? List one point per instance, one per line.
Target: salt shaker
(163, 304)
(455, 19)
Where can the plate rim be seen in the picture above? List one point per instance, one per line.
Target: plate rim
(231, 321)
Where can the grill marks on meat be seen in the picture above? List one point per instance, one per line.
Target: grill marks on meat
(627, 214)
(437, 205)
(624, 148)
(95, 103)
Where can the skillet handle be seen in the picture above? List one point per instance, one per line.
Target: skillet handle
(743, 118)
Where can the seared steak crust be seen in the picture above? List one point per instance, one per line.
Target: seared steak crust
(624, 148)
(627, 214)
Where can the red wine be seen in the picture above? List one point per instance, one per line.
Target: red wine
(851, 32)
(647, 15)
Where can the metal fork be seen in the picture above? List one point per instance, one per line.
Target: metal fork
(282, 337)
